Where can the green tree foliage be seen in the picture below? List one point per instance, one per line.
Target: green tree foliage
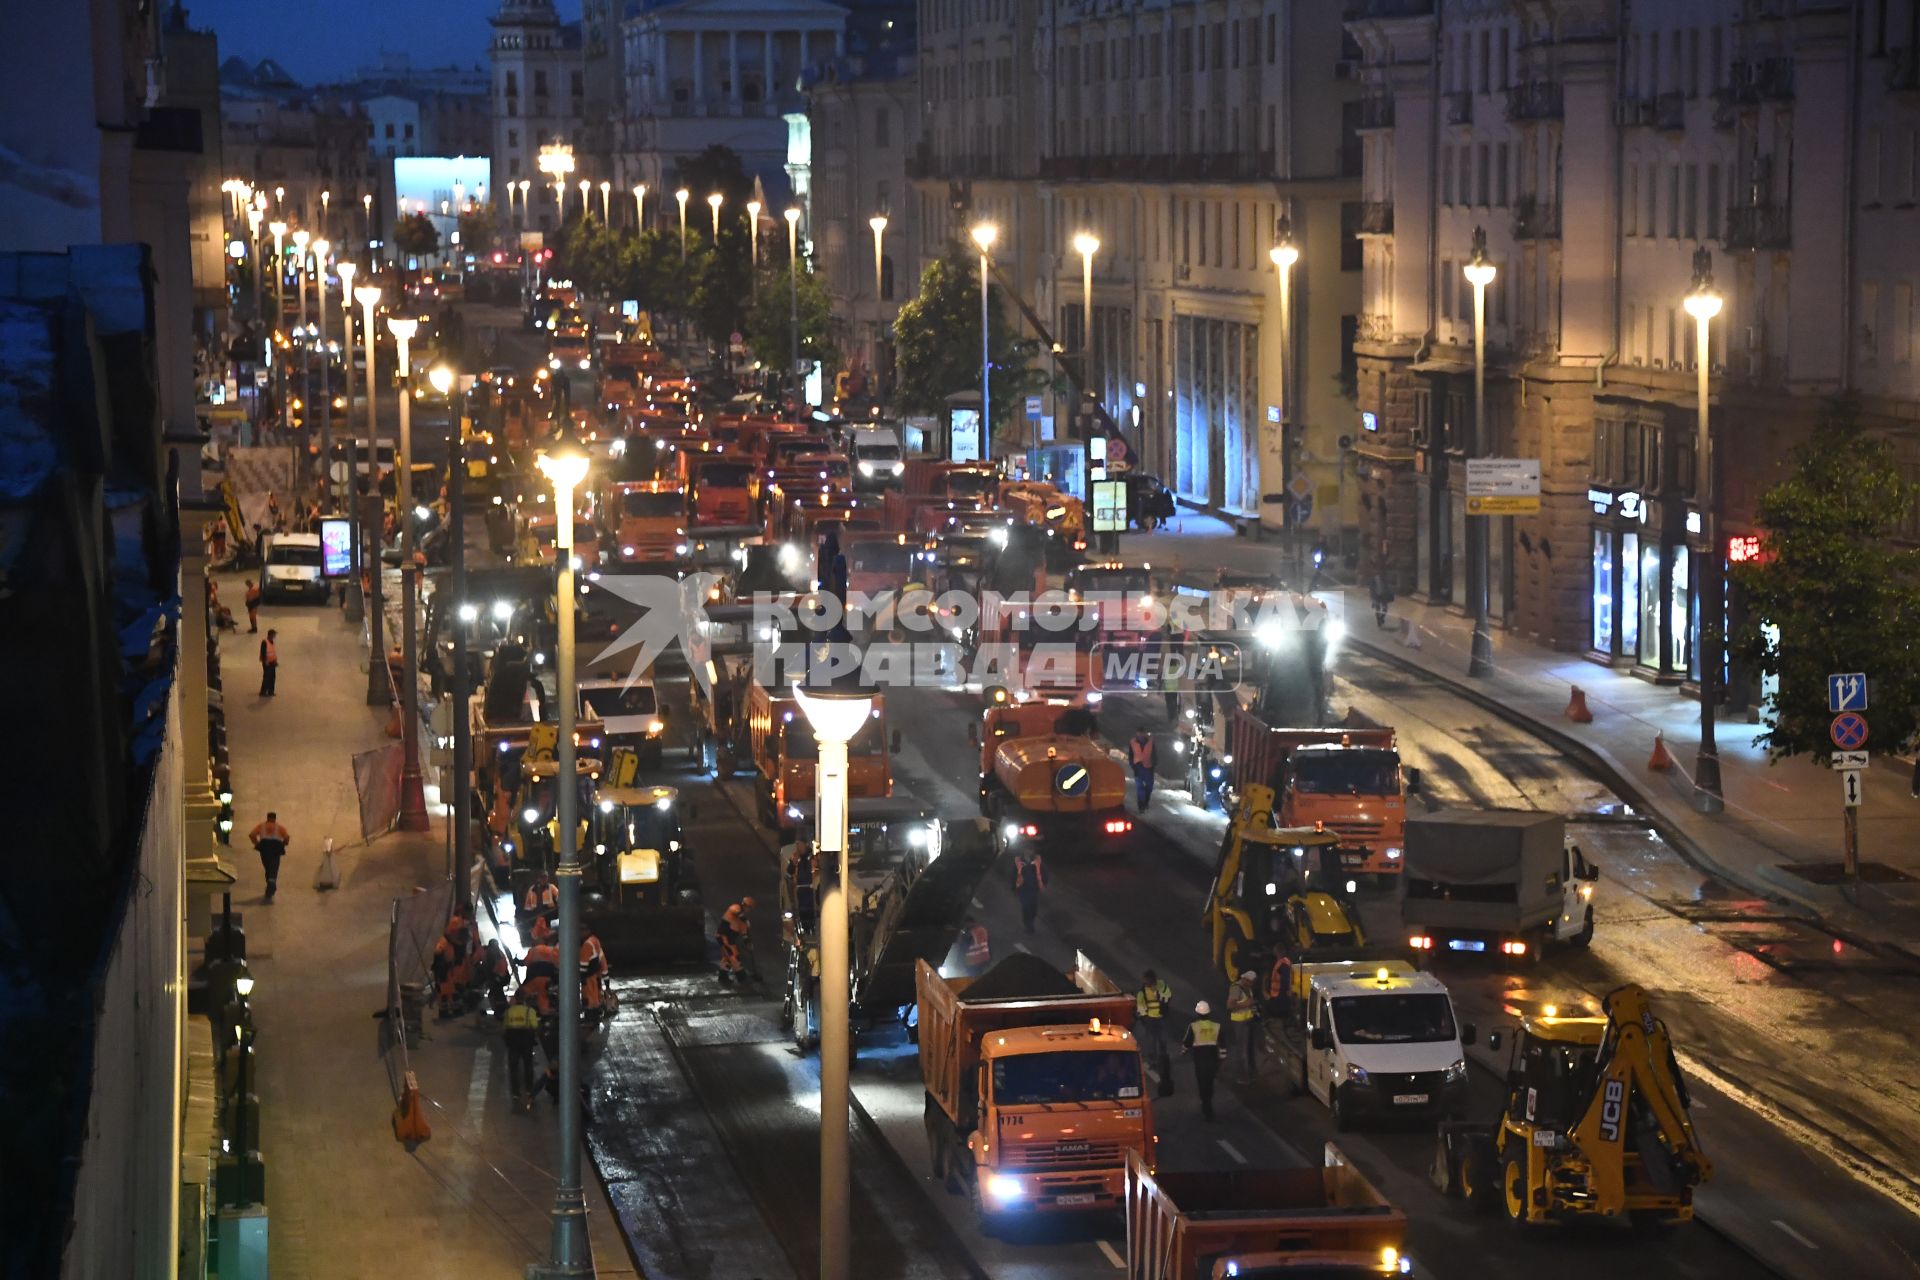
(718, 168)
(769, 328)
(1843, 596)
(723, 277)
(477, 230)
(415, 236)
(937, 342)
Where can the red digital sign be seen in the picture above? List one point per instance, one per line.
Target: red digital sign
(1743, 547)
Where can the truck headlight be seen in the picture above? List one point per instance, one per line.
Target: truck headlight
(1004, 1188)
(866, 468)
(1393, 853)
(656, 727)
(1356, 1074)
(1010, 832)
(1455, 1073)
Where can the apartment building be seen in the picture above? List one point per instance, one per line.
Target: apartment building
(1599, 148)
(1189, 140)
(538, 91)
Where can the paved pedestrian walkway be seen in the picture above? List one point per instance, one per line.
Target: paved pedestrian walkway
(345, 1199)
(1778, 816)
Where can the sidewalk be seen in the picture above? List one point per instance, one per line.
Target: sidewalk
(345, 1199)
(1777, 816)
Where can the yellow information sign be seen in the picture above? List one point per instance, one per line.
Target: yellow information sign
(1504, 505)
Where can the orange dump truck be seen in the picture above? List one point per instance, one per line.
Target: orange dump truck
(1036, 1094)
(786, 756)
(1347, 779)
(1325, 1224)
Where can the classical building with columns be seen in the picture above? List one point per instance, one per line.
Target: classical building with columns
(1600, 146)
(699, 73)
(538, 93)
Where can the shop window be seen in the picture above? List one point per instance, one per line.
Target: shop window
(1605, 443)
(1629, 564)
(1602, 638)
(1680, 601)
(1650, 601)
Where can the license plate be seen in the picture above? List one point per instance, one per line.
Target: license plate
(1078, 1197)
(1466, 944)
(1353, 859)
(1409, 1099)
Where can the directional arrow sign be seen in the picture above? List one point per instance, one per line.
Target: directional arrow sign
(1850, 787)
(1847, 691)
(1849, 759)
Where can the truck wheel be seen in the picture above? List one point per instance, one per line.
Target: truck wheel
(1513, 1186)
(1584, 938)
(1476, 1183)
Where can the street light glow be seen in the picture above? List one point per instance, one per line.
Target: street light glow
(441, 377)
(984, 234)
(1284, 255)
(1086, 244)
(1479, 273)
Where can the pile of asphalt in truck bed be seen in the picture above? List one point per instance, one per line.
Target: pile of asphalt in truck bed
(1020, 977)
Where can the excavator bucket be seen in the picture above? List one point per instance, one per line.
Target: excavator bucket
(923, 923)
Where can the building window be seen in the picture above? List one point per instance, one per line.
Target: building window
(1673, 202)
(1633, 200)
(1713, 202)
(1481, 189)
(408, 133)
(389, 130)
(1693, 201)
(1446, 288)
(1870, 322)
(1446, 175)
(540, 84)
(882, 127)
(1500, 176)
(513, 138)
(574, 84)
(513, 166)
(513, 84)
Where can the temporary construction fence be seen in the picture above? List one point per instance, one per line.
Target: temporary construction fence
(415, 924)
(376, 780)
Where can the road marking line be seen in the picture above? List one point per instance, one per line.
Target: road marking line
(1796, 1235)
(1113, 1255)
(1021, 946)
(977, 905)
(1228, 1148)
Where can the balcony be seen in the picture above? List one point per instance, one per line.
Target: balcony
(1758, 226)
(1204, 166)
(1535, 100)
(1376, 218)
(1535, 219)
(1376, 113)
(1752, 81)
(1459, 108)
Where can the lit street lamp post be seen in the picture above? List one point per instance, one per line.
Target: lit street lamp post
(326, 204)
(413, 792)
(835, 718)
(356, 602)
(1283, 256)
(1479, 273)
(879, 224)
(1086, 244)
(366, 211)
(606, 197)
(455, 795)
(714, 202)
(984, 234)
(279, 230)
(1703, 304)
(793, 292)
(320, 250)
(253, 236)
(300, 241)
(565, 466)
(753, 243)
(682, 196)
(640, 208)
(379, 687)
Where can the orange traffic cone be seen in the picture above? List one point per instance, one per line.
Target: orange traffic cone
(1660, 761)
(409, 1121)
(1577, 707)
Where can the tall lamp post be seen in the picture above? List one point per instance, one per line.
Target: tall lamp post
(714, 202)
(1086, 244)
(878, 222)
(379, 687)
(606, 206)
(456, 796)
(253, 236)
(565, 466)
(556, 161)
(320, 251)
(300, 240)
(1284, 255)
(1479, 273)
(793, 292)
(366, 219)
(682, 196)
(356, 601)
(326, 207)
(586, 200)
(1703, 304)
(413, 792)
(279, 231)
(639, 208)
(984, 234)
(753, 243)
(835, 717)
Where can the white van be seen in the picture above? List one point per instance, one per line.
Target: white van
(293, 568)
(875, 453)
(631, 715)
(1382, 1041)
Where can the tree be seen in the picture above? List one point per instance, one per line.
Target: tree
(477, 230)
(415, 236)
(1841, 596)
(937, 342)
(769, 329)
(718, 168)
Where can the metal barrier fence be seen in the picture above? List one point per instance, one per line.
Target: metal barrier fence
(414, 925)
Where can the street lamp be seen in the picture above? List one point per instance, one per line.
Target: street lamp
(455, 796)
(586, 200)
(835, 716)
(253, 235)
(279, 196)
(326, 205)
(1479, 273)
(606, 209)
(321, 249)
(355, 603)
(1086, 244)
(793, 291)
(413, 794)
(683, 195)
(565, 465)
(379, 687)
(879, 224)
(1284, 255)
(714, 202)
(366, 211)
(556, 161)
(1703, 304)
(984, 234)
(639, 208)
(525, 187)
(753, 240)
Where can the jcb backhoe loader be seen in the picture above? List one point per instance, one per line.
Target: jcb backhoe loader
(1270, 894)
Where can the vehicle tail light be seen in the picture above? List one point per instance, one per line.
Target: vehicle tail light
(1030, 830)
(1514, 948)
(1119, 826)
(1420, 942)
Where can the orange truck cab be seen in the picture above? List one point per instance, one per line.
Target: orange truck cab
(1036, 1092)
(718, 492)
(970, 486)
(1038, 503)
(785, 756)
(649, 522)
(540, 544)
(1348, 781)
(1046, 781)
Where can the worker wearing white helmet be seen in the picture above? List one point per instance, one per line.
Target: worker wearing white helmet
(1202, 1043)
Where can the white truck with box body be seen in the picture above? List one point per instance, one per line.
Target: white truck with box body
(1498, 881)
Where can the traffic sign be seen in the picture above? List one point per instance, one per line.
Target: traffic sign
(1847, 692)
(1850, 787)
(1503, 505)
(1033, 406)
(1300, 487)
(1503, 477)
(1849, 730)
(1849, 759)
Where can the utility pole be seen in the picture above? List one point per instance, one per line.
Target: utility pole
(462, 789)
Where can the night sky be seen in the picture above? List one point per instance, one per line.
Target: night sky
(351, 34)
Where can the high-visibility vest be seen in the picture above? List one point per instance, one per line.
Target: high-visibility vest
(1151, 1002)
(1205, 1033)
(1240, 1004)
(593, 957)
(1021, 870)
(539, 899)
(269, 653)
(1143, 754)
(978, 952)
(522, 1016)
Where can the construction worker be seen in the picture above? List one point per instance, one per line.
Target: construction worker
(1150, 1026)
(1280, 985)
(542, 898)
(450, 952)
(271, 839)
(1243, 1010)
(542, 971)
(543, 931)
(269, 662)
(253, 607)
(979, 952)
(593, 975)
(1144, 759)
(735, 936)
(496, 971)
(1029, 882)
(521, 1032)
(1202, 1043)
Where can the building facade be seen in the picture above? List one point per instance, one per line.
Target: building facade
(306, 148)
(1599, 147)
(538, 91)
(1189, 141)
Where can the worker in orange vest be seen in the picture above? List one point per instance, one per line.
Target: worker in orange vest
(542, 898)
(593, 975)
(544, 931)
(450, 969)
(979, 953)
(269, 663)
(1144, 758)
(735, 936)
(271, 839)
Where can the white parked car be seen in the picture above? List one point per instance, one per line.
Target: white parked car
(877, 460)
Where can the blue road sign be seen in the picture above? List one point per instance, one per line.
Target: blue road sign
(1072, 780)
(1847, 692)
(1849, 730)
